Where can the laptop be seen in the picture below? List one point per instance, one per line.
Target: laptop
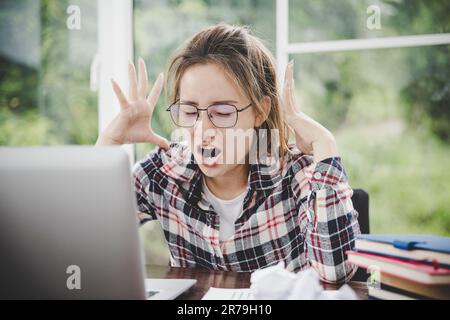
(69, 228)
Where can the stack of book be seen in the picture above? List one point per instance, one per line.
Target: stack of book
(409, 266)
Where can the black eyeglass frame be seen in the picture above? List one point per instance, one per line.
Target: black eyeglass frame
(206, 109)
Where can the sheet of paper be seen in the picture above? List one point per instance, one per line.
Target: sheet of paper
(246, 294)
(228, 294)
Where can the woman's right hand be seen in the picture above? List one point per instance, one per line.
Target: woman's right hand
(133, 123)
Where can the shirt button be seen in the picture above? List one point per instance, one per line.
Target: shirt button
(317, 175)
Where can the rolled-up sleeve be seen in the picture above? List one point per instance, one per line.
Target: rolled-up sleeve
(329, 227)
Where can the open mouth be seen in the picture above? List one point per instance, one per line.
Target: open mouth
(210, 155)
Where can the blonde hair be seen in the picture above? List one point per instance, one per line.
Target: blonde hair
(246, 60)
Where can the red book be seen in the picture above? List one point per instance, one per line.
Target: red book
(406, 269)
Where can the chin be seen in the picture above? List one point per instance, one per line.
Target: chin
(213, 171)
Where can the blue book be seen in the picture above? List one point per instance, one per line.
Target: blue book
(426, 248)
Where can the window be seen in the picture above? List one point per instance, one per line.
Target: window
(45, 96)
(388, 109)
(384, 92)
(328, 20)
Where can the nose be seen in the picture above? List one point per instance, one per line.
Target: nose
(204, 129)
(203, 121)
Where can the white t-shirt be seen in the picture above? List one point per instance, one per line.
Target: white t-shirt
(228, 211)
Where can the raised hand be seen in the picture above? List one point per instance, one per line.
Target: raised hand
(133, 123)
(310, 136)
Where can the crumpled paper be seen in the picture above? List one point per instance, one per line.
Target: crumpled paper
(277, 283)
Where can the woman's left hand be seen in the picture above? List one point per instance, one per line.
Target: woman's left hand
(311, 137)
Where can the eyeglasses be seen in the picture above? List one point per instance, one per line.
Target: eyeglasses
(221, 115)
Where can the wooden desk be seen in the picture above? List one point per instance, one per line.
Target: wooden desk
(223, 279)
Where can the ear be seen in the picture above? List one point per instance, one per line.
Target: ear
(262, 116)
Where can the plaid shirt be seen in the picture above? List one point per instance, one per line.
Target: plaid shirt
(277, 223)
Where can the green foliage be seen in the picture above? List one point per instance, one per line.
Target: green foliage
(48, 101)
(427, 96)
(27, 128)
(404, 171)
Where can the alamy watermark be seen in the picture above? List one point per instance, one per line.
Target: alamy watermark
(73, 21)
(73, 281)
(373, 22)
(263, 145)
(374, 280)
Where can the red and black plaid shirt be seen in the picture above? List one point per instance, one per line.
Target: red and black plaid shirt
(277, 222)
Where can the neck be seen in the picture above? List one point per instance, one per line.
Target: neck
(229, 185)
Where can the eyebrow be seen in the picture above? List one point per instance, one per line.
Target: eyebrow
(213, 103)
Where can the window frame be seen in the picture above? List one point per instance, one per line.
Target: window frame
(284, 48)
(115, 49)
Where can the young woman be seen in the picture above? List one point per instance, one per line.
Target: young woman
(237, 215)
